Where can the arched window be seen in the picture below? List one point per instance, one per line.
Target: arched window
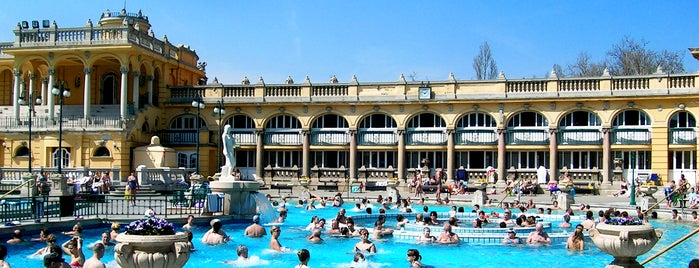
(65, 157)
(528, 119)
(240, 121)
(187, 121)
(378, 121)
(330, 121)
(426, 120)
(102, 152)
(283, 122)
(581, 119)
(632, 118)
(476, 119)
(22, 152)
(682, 119)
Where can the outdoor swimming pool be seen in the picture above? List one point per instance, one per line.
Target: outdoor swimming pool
(337, 252)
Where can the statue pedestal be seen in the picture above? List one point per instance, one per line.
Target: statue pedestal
(29, 189)
(392, 189)
(59, 185)
(479, 198)
(647, 201)
(238, 198)
(564, 200)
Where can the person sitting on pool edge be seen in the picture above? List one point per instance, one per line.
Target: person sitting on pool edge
(448, 237)
(215, 235)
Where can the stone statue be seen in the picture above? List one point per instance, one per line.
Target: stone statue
(229, 146)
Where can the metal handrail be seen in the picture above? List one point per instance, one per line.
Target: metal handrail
(16, 188)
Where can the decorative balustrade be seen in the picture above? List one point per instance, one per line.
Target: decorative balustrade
(683, 135)
(330, 137)
(529, 136)
(377, 137)
(579, 136)
(285, 174)
(69, 122)
(13, 175)
(331, 90)
(681, 81)
(239, 92)
(283, 137)
(92, 35)
(471, 136)
(526, 86)
(185, 94)
(376, 174)
(283, 91)
(245, 136)
(178, 137)
(443, 90)
(426, 137)
(630, 83)
(631, 136)
(579, 85)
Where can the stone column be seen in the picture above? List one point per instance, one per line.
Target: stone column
(501, 157)
(149, 78)
(306, 153)
(30, 92)
(86, 100)
(44, 90)
(122, 93)
(450, 154)
(401, 154)
(553, 153)
(136, 90)
(353, 154)
(50, 100)
(606, 156)
(259, 153)
(16, 93)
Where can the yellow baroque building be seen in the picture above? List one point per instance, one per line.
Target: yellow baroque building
(127, 85)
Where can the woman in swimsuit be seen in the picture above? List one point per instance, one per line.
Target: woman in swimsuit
(576, 240)
(365, 244)
(74, 249)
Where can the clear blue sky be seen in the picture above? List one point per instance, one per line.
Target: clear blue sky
(379, 40)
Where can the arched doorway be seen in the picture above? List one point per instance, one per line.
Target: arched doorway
(108, 89)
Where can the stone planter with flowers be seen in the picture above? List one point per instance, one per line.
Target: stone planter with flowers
(151, 243)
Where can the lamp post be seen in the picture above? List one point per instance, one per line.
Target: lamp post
(199, 104)
(220, 111)
(62, 93)
(632, 201)
(31, 114)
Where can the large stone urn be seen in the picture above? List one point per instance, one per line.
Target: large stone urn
(625, 242)
(141, 251)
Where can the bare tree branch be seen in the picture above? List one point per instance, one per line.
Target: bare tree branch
(484, 64)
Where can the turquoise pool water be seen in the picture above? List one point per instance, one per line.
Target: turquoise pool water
(337, 252)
